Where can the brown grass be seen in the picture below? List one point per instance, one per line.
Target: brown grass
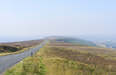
(17, 46)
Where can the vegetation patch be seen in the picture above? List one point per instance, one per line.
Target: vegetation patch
(29, 66)
(57, 60)
(17, 47)
(8, 49)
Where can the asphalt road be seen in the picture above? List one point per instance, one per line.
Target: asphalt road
(10, 60)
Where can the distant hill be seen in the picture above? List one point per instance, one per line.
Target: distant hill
(73, 40)
(108, 44)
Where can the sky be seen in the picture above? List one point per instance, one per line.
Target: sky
(32, 19)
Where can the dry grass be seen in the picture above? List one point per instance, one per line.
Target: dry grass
(107, 53)
(71, 59)
(17, 47)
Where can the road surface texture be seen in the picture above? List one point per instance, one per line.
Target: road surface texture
(10, 60)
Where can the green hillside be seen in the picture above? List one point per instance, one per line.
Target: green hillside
(75, 40)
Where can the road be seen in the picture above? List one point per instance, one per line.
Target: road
(10, 60)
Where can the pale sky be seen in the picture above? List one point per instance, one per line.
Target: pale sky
(37, 18)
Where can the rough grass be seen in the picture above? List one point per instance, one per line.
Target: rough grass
(66, 59)
(107, 53)
(16, 47)
(29, 66)
(9, 53)
(99, 65)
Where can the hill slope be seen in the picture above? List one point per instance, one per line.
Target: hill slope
(73, 40)
(59, 58)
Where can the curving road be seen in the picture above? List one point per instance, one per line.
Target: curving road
(9, 60)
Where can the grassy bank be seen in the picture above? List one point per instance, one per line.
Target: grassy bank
(17, 47)
(17, 52)
(29, 66)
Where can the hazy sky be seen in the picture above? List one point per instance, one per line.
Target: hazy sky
(34, 18)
